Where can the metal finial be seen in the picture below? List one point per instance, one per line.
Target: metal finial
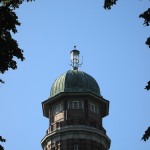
(74, 47)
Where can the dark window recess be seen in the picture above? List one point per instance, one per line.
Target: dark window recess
(57, 124)
(51, 127)
(75, 147)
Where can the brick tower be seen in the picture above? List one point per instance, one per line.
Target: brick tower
(75, 111)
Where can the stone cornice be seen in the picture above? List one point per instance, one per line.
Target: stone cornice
(80, 130)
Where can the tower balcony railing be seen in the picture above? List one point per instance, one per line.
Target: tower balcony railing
(76, 122)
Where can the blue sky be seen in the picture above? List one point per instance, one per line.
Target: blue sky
(112, 45)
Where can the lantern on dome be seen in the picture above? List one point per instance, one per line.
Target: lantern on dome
(74, 54)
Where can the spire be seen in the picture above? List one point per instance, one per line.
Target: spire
(75, 58)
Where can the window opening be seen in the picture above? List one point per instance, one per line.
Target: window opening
(59, 108)
(93, 108)
(75, 105)
(75, 147)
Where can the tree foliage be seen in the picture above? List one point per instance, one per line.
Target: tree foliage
(9, 49)
(146, 134)
(2, 140)
(109, 3)
(146, 16)
(147, 87)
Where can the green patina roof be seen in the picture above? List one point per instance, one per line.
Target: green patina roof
(74, 81)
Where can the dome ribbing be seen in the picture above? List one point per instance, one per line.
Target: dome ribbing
(75, 81)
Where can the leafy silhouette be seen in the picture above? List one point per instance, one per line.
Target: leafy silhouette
(109, 3)
(2, 140)
(146, 16)
(146, 135)
(148, 42)
(9, 49)
(148, 86)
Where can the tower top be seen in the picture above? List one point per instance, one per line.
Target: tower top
(74, 54)
(75, 81)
